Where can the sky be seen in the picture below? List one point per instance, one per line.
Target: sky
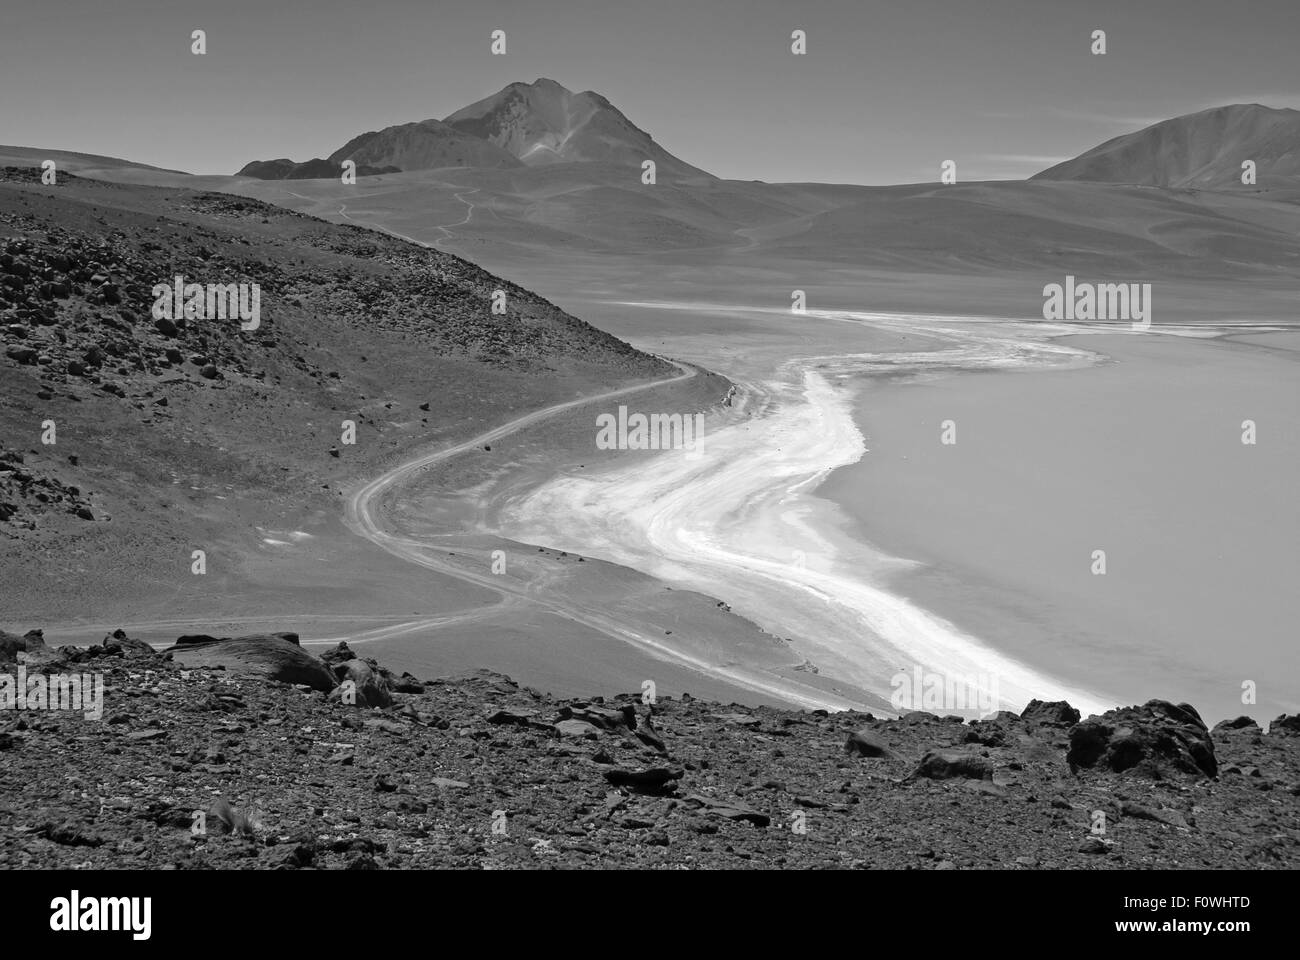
(885, 94)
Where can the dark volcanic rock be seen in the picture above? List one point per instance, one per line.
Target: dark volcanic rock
(1158, 739)
(367, 685)
(864, 743)
(652, 780)
(269, 655)
(947, 764)
(340, 653)
(119, 643)
(1237, 723)
(9, 647)
(1054, 712)
(1286, 724)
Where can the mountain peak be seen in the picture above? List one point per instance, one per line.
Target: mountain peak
(1204, 149)
(522, 124)
(544, 122)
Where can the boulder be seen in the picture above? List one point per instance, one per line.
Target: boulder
(864, 743)
(651, 780)
(577, 728)
(1055, 712)
(118, 642)
(270, 655)
(730, 809)
(949, 764)
(1158, 740)
(1286, 725)
(369, 686)
(602, 717)
(994, 732)
(406, 683)
(341, 653)
(10, 644)
(1239, 723)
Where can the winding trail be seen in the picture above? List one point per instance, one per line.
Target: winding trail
(447, 234)
(364, 516)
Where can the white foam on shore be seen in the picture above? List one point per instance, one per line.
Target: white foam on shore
(742, 523)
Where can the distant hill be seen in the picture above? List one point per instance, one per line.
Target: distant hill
(285, 169)
(524, 124)
(174, 431)
(1204, 150)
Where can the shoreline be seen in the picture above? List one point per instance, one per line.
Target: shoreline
(771, 548)
(1002, 559)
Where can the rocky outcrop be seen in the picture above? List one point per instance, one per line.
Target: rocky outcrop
(1158, 740)
(1056, 712)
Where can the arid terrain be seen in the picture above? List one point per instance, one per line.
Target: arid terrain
(371, 596)
(245, 754)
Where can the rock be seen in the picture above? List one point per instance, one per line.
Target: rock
(918, 716)
(947, 764)
(21, 354)
(1056, 712)
(864, 743)
(1158, 740)
(209, 371)
(1239, 723)
(9, 647)
(577, 728)
(731, 810)
(1285, 725)
(651, 780)
(602, 717)
(119, 643)
(165, 326)
(1095, 845)
(369, 687)
(521, 718)
(442, 783)
(70, 834)
(386, 725)
(1164, 815)
(270, 655)
(341, 653)
(647, 734)
(993, 732)
(405, 684)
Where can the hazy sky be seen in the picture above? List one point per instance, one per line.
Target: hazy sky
(887, 91)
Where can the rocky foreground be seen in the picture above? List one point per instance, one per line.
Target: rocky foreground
(252, 753)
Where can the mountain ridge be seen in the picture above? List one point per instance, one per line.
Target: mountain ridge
(1204, 150)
